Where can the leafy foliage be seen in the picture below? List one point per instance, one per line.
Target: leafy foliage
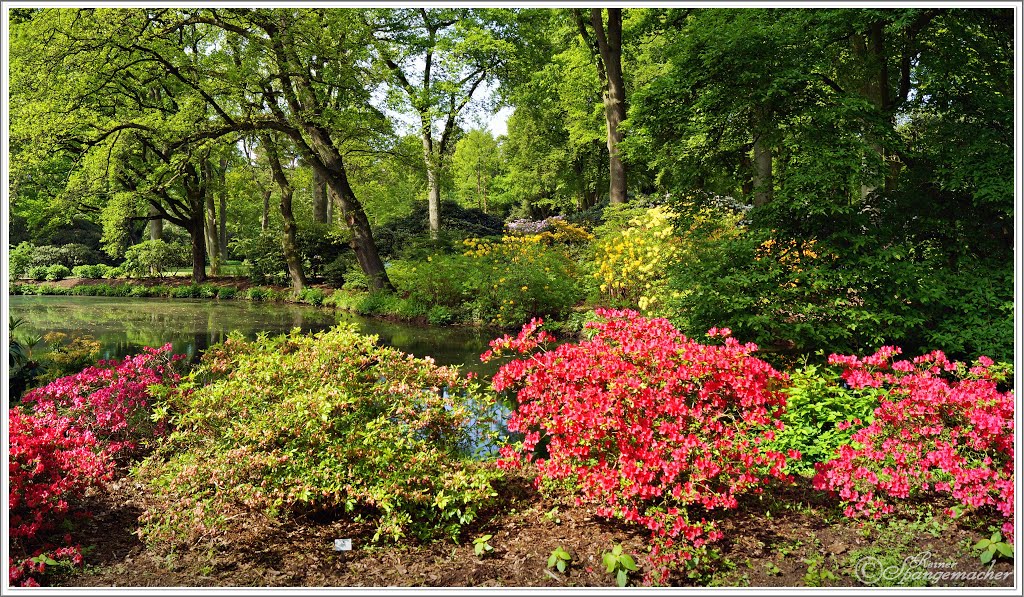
(940, 427)
(64, 443)
(645, 424)
(330, 421)
(820, 407)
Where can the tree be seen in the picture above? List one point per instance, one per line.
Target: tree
(605, 43)
(234, 71)
(288, 243)
(457, 51)
(475, 165)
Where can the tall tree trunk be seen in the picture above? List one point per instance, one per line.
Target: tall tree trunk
(196, 230)
(156, 231)
(265, 220)
(288, 243)
(320, 213)
(210, 229)
(763, 179)
(433, 180)
(156, 224)
(222, 212)
(609, 58)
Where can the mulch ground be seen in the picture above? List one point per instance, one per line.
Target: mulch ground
(792, 536)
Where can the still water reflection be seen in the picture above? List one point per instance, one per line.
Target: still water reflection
(124, 325)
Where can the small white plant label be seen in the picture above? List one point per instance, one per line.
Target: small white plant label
(342, 545)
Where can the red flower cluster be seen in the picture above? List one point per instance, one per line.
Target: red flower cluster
(646, 422)
(66, 444)
(110, 398)
(935, 430)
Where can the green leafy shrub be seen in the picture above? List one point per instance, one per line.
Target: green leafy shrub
(519, 278)
(313, 296)
(306, 423)
(46, 255)
(263, 258)
(75, 254)
(257, 294)
(37, 273)
(440, 315)
(92, 272)
(337, 272)
(322, 245)
(818, 404)
(115, 272)
(19, 260)
(190, 291)
(149, 257)
(57, 272)
(226, 292)
(408, 237)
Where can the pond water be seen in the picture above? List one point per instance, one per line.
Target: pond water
(124, 325)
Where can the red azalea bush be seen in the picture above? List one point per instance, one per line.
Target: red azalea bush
(941, 427)
(110, 399)
(647, 423)
(65, 445)
(52, 463)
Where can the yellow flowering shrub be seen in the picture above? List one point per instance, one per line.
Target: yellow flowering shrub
(519, 277)
(631, 262)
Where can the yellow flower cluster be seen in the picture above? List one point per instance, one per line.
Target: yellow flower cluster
(631, 263)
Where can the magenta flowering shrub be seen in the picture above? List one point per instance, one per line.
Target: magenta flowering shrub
(650, 426)
(940, 427)
(52, 463)
(110, 399)
(63, 444)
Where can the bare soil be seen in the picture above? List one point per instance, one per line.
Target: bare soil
(793, 536)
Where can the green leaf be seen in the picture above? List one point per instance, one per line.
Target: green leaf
(627, 562)
(560, 565)
(616, 550)
(986, 556)
(552, 560)
(1005, 548)
(610, 561)
(996, 537)
(620, 578)
(984, 543)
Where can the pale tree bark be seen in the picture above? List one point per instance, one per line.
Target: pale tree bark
(222, 212)
(763, 181)
(288, 242)
(265, 219)
(210, 228)
(606, 47)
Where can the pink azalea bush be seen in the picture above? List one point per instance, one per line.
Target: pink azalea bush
(648, 426)
(63, 444)
(940, 427)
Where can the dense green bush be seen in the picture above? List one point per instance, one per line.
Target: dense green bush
(818, 401)
(149, 257)
(305, 423)
(408, 237)
(19, 260)
(57, 272)
(258, 294)
(37, 272)
(90, 271)
(848, 293)
(226, 292)
(313, 296)
(115, 272)
(46, 255)
(263, 258)
(324, 249)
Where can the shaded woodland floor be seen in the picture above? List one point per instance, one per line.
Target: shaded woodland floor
(792, 536)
